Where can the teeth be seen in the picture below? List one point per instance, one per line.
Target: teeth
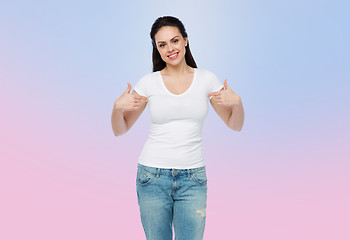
(173, 55)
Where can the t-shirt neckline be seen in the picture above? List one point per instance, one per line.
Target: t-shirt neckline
(185, 92)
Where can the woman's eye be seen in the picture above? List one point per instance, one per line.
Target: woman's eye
(162, 45)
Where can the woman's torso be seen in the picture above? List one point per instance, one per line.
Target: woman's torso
(175, 139)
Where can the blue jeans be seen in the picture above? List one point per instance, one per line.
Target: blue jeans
(172, 196)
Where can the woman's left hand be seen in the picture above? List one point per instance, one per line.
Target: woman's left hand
(226, 97)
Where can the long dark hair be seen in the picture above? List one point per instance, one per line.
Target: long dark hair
(158, 63)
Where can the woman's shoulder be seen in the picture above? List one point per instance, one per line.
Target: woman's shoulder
(205, 72)
(149, 76)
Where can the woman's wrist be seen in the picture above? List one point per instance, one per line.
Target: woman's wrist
(117, 107)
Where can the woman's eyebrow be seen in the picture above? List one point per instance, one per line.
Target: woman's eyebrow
(170, 39)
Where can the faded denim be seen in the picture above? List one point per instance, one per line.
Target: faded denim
(172, 199)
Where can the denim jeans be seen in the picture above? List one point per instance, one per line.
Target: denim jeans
(172, 198)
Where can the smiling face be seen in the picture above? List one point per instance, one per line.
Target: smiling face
(171, 45)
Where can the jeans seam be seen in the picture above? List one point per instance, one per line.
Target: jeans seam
(196, 181)
(149, 182)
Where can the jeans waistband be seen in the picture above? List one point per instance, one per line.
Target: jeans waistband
(170, 171)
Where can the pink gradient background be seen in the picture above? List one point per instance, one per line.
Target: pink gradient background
(64, 175)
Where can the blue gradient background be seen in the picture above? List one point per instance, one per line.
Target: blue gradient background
(64, 175)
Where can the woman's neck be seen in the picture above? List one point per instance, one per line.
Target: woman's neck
(178, 70)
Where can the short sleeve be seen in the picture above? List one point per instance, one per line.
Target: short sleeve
(141, 86)
(214, 84)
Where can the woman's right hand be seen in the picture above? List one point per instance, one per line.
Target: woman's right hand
(129, 102)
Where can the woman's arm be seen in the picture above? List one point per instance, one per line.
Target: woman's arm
(121, 120)
(237, 117)
(228, 105)
(118, 122)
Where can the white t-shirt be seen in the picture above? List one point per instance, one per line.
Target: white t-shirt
(175, 139)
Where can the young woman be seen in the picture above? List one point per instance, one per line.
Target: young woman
(171, 180)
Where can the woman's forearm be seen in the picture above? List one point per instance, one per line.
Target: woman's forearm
(118, 122)
(236, 119)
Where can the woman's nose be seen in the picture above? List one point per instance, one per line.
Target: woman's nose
(170, 48)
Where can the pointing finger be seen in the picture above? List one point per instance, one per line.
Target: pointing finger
(214, 93)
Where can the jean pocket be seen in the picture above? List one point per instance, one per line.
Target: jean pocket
(200, 177)
(143, 177)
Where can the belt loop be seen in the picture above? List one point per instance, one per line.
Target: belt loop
(188, 173)
(158, 170)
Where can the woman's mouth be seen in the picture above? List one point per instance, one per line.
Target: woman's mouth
(173, 56)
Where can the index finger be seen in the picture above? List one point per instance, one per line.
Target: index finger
(214, 93)
(138, 97)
